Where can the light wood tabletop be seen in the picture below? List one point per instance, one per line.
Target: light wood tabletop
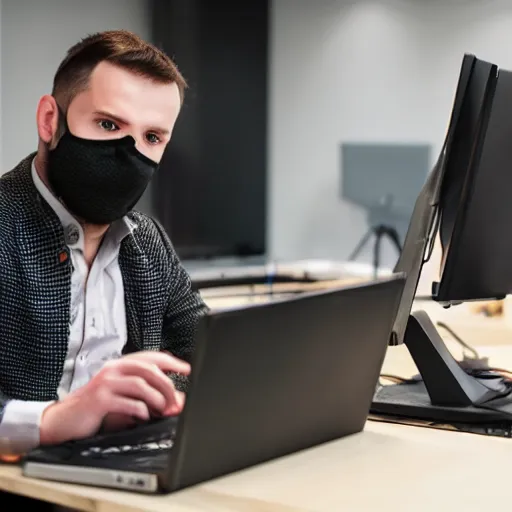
(387, 467)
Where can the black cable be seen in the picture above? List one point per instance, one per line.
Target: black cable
(394, 378)
(432, 235)
(484, 372)
(490, 373)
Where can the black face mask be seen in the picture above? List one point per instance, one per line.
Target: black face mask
(99, 181)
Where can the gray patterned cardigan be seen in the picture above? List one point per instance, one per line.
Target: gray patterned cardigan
(162, 310)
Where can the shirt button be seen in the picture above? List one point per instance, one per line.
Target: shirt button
(71, 234)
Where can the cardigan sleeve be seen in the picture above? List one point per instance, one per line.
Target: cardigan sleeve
(6, 252)
(19, 419)
(184, 309)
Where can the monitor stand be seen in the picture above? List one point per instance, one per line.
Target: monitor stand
(447, 392)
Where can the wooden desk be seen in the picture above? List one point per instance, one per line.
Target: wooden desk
(387, 467)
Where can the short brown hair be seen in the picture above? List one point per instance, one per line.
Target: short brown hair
(119, 47)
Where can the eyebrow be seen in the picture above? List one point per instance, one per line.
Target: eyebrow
(120, 120)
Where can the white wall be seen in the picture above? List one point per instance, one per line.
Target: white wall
(373, 71)
(341, 70)
(35, 35)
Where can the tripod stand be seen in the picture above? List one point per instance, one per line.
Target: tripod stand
(379, 231)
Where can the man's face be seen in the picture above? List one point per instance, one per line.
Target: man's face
(118, 103)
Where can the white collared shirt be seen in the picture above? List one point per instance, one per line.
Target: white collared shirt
(98, 330)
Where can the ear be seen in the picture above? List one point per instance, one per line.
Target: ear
(47, 118)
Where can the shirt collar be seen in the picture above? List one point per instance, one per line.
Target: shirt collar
(73, 232)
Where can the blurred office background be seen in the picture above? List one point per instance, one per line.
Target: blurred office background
(307, 121)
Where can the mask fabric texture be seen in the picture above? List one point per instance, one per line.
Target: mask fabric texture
(99, 181)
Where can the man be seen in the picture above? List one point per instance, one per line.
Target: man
(95, 308)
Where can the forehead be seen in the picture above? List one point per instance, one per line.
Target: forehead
(137, 99)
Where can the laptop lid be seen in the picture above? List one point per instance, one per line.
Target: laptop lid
(276, 378)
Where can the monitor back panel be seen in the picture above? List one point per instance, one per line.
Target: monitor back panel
(475, 199)
(478, 263)
(274, 379)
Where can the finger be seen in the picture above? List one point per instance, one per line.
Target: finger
(135, 386)
(178, 406)
(115, 422)
(129, 406)
(154, 378)
(164, 360)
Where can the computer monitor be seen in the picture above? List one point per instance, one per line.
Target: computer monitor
(466, 200)
(474, 78)
(476, 208)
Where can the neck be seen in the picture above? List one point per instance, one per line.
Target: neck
(41, 165)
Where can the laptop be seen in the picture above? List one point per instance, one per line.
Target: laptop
(267, 380)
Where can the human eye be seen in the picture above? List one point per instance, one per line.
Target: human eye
(153, 138)
(108, 125)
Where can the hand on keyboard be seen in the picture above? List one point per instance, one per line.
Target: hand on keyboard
(115, 422)
(134, 386)
(144, 441)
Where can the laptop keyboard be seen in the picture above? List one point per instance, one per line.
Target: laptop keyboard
(147, 445)
(131, 447)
